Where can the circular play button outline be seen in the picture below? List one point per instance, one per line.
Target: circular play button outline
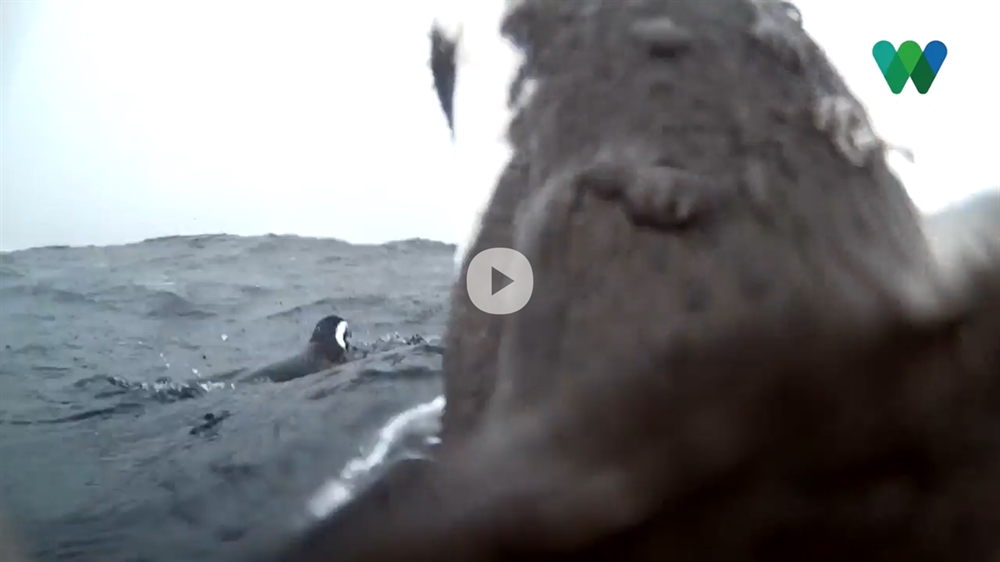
(499, 281)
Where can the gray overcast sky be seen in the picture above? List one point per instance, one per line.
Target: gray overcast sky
(123, 120)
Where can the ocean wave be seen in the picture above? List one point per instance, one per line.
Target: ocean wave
(7, 271)
(323, 304)
(44, 292)
(153, 299)
(388, 357)
(167, 304)
(122, 407)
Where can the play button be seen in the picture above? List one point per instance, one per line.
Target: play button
(499, 281)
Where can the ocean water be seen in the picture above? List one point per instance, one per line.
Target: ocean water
(118, 442)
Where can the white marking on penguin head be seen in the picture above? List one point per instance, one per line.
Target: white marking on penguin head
(341, 334)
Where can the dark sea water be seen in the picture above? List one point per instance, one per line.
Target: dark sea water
(115, 445)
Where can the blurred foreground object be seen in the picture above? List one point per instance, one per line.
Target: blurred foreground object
(744, 342)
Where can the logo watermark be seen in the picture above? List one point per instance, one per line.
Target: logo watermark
(909, 62)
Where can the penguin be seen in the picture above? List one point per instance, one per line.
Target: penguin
(328, 345)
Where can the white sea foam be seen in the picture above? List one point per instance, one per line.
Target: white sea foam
(422, 419)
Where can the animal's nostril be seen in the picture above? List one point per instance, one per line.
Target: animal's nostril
(663, 38)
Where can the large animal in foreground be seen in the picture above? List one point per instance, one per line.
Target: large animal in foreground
(740, 346)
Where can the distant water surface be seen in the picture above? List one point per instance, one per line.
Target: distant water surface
(103, 458)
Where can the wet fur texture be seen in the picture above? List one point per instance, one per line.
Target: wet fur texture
(740, 346)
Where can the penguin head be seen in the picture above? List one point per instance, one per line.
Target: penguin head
(332, 336)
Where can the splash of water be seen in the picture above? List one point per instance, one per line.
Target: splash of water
(422, 419)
